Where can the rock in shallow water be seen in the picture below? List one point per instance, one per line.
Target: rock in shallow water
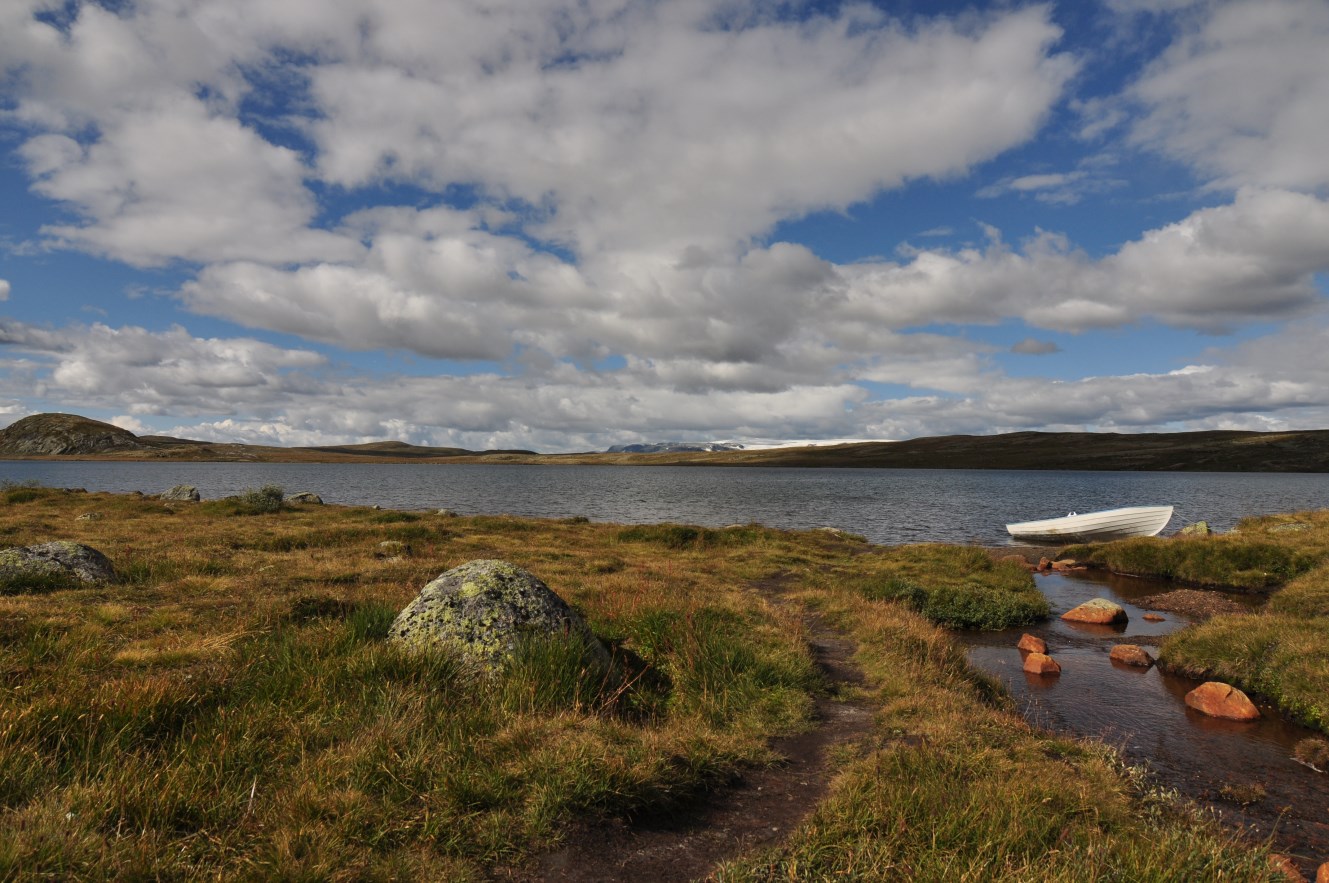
(1131, 654)
(1100, 611)
(482, 609)
(1041, 664)
(1217, 699)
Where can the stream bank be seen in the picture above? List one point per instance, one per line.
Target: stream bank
(1244, 771)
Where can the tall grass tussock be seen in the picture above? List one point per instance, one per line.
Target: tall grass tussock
(230, 707)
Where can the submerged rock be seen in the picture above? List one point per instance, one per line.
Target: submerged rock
(54, 561)
(181, 493)
(1032, 643)
(1041, 664)
(1217, 699)
(1131, 654)
(1100, 611)
(483, 608)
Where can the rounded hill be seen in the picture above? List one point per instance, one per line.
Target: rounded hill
(55, 434)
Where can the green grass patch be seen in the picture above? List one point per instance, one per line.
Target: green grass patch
(952, 586)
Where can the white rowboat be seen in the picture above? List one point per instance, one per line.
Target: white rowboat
(1110, 524)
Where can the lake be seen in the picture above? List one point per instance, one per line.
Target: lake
(884, 505)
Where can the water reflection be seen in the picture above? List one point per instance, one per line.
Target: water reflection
(1142, 712)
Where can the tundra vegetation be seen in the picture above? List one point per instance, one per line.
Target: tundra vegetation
(1280, 652)
(230, 707)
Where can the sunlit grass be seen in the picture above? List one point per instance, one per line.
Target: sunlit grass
(230, 707)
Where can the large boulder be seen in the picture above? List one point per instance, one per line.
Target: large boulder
(482, 609)
(1099, 611)
(1217, 699)
(181, 493)
(59, 561)
(306, 497)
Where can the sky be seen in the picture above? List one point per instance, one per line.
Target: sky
(561, 225)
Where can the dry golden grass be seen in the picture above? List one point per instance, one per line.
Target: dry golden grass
(229, 708)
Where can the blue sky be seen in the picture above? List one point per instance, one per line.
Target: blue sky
(566, 225)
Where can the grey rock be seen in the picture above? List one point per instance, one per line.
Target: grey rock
(481, 610)
(392, 550)
(60, 559)
(305, 497)
(1290, 527)
(447, 513)
(183, 493)
(89, 516)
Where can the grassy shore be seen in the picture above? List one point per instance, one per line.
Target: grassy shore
(230, 709)
(1281, 652)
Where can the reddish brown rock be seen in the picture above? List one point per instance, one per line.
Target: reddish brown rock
(1132, 654)
(1044, 564)
(1041, 664)
(1100, 611)
(1322, 875)
(1066, 564)
(1154, 617)
(1032, 643)
(1222, 700)
(1287, 867)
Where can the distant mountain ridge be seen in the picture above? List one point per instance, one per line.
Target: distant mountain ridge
(674, 448)
(71, 436)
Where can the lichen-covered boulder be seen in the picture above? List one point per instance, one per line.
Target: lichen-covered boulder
(482, 609)
(1198, 529)
(61, 560)
(181, 493)
(305, 497)
(1099, 611)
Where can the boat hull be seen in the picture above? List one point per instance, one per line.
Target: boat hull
(1093, 527)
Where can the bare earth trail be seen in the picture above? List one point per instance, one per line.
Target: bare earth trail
(757, 810)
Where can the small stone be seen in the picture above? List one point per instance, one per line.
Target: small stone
(1154, 617)
(1100, 611)
(1064, 564)
(447, 513)
(1131, 654)
(1032, 643)
(1044, 565)
(392, 550)
(1322, 875)
(1041, 664)
(89, 516)
(1222, 700)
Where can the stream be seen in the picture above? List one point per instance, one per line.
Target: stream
(1242, 770)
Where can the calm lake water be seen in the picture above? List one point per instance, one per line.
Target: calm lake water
(884, 505)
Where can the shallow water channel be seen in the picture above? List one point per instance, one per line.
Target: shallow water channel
(1142, 713)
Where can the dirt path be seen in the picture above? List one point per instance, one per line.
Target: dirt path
(757, 810)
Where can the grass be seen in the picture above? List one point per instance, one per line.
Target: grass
(230, 708)
(1280, 653)
(956, 587)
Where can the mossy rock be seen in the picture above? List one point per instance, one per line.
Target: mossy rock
(50, 566)
(483, 609)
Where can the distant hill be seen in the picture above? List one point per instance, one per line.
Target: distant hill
(64, 434)
(67, 435)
